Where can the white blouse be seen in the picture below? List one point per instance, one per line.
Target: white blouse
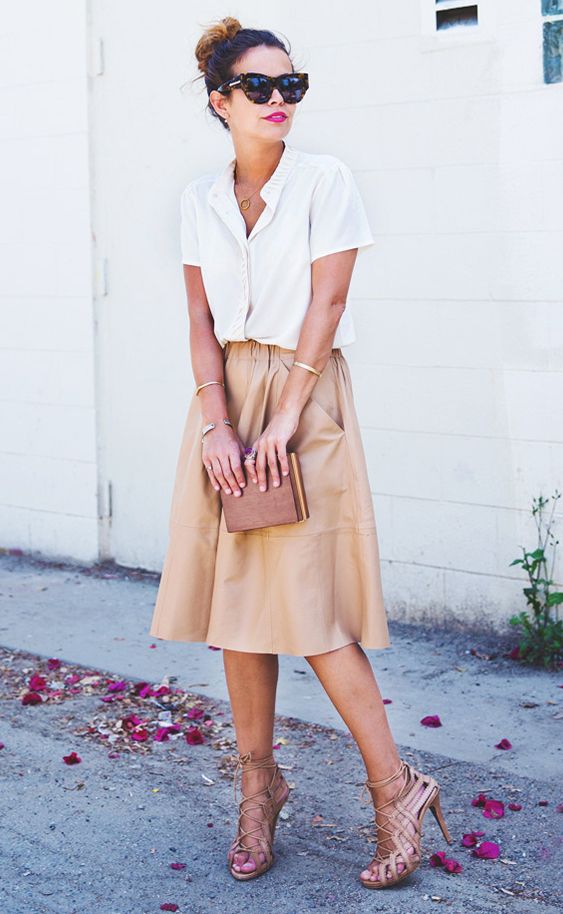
(260, 287)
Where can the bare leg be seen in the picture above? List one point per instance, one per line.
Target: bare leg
(251, 681)
(347, 678)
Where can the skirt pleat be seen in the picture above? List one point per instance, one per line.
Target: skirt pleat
(297, 589)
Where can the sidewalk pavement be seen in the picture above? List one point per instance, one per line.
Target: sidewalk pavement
(91, 839)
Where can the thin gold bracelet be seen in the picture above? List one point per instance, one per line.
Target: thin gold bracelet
(308, 367)
(197, 390)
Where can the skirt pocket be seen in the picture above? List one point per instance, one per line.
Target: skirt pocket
(325, 398)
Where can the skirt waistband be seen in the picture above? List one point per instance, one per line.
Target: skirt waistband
(256, 350)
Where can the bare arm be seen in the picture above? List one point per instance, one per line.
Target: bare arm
(331, 277)
(222, 448)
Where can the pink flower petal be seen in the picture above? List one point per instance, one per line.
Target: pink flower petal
(438, 859)
(31, 698)
(431, 720)
(169, 906)
(194, 736)
(143, 690)
(178, 866)
(488, 850)
(37, 683)
(387, 701)
(162, 690)
(194, 713)
(515, 807)
(131, 721)
(504, 744)
(452, 866)
(470, 838)
(493, 809)
(53, 663)
(140, 735)
(162, 733)
(72, 759)
(117, 686)
(479, 800)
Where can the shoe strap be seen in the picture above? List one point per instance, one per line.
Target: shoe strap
(402, 767)
(247, 762)
(387, 780)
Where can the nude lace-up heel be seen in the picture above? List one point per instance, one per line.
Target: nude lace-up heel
(274, 795)
(409, 805)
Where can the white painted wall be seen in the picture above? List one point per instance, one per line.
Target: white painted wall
(48, 472)
(457, 146)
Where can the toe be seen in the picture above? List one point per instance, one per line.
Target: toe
(249, 866)
(240, 860)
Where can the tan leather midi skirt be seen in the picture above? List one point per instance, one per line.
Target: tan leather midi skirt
(302, 588)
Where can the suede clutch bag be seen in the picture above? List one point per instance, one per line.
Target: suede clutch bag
(284, 504)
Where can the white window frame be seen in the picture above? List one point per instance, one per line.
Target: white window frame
(432, 39)
(551, 17)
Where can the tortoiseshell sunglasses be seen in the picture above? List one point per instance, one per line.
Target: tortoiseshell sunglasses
(258, 87)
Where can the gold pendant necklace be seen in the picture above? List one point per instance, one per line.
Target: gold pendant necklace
(245, 202)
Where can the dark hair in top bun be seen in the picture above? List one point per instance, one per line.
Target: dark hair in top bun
(221, 46)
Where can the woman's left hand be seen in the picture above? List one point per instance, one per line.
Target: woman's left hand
(271, 446)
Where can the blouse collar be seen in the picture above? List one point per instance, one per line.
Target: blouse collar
(223, 186)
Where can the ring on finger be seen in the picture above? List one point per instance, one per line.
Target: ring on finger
(250, 454)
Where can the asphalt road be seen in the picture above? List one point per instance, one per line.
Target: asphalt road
(99, 836)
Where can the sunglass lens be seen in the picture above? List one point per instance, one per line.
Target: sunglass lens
(257, 89)
(293, 88)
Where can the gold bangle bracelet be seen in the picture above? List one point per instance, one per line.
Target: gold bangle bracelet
(308, 367)
(197, 390)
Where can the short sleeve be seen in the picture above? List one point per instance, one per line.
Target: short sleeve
(338, 220)
(188, 229)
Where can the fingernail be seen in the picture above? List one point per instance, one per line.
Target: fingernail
(237, 494)
(276, 483)
(262, 488)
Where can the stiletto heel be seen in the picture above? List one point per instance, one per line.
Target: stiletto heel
(271, 806)
(436, 811)
(409, 805)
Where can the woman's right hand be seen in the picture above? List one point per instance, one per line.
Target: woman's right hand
(222, 452)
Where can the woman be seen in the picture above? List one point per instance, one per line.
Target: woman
(269, 246)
